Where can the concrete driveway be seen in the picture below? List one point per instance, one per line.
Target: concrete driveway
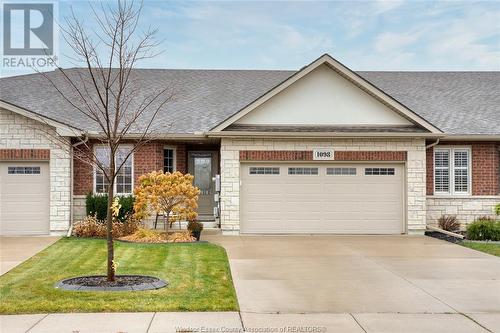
(370, 277)
(348, 284)
(15, 250)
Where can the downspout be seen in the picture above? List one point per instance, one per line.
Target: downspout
(427, 147)
(432, 144)
(85, 139)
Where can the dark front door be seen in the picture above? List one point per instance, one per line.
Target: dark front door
(203, 166)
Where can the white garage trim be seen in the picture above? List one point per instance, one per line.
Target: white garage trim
(319, 187)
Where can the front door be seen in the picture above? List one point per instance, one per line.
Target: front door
(203, 166)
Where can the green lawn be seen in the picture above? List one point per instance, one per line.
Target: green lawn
(198, 275)
(493, 249)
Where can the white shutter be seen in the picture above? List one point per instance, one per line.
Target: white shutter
(442, 171)
(452, 171)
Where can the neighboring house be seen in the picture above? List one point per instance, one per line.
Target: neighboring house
(321, 150)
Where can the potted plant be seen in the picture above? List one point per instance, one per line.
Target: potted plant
(195, 228)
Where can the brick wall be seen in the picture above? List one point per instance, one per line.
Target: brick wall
(148, 158)
(429, 166)
(83, 173)
(307, 155)
(485, 167)
(34, 140)
(24, 154)
(181, 158)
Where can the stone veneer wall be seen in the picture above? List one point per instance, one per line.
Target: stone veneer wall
(230, 171)
(466, 208)
(19, 132)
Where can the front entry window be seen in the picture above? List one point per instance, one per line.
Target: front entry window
(203, 165)
(203, 173)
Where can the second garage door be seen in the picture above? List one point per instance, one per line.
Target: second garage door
(322, 198)
(24, 198)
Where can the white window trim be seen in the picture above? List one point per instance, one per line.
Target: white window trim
(302, 174)
(451, 151)
(114, 184)
(175, 157)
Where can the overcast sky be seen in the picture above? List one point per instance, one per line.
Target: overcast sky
(376, 35)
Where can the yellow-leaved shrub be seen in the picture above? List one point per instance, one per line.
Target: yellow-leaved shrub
(171, 194)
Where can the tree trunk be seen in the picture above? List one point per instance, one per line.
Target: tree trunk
(109, 221)
(167, 221)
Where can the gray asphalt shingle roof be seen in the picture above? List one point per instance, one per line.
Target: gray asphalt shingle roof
(456, 102)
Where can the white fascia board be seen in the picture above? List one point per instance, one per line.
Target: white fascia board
(173, 136)
(291, 135)
(346, 73)
(472, 137)
(61, 129)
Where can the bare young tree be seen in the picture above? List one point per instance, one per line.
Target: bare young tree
(106, 93)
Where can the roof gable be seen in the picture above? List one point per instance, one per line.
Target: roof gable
(326, 93)
(323, 97)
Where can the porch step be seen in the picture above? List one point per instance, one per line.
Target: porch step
(207, 224)
(205, 218)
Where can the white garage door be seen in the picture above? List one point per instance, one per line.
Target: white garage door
(322, 198)
(24, 198)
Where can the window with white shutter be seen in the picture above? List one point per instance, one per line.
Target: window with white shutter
(461, 171)
(452, 171)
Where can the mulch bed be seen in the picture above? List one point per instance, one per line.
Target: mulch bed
(163, 243)
(442, 236)
(121, 283)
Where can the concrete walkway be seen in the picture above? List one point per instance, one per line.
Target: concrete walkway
(15, 250)
(167, 322)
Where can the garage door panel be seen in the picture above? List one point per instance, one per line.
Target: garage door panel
(301, 189)
(268, 206)
(371, 204)
(269, 189)
(24, 199)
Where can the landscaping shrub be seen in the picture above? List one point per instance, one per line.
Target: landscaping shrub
(194, 225)
(497, 209)
(98, 204)
(449, 223)
(484, 228)
(93, 227)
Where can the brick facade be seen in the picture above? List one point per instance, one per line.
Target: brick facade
(24, 154)
(83, 173)
(27, 139)
(429, 166)
(485, 167)
(148, 158)
(307, 155)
